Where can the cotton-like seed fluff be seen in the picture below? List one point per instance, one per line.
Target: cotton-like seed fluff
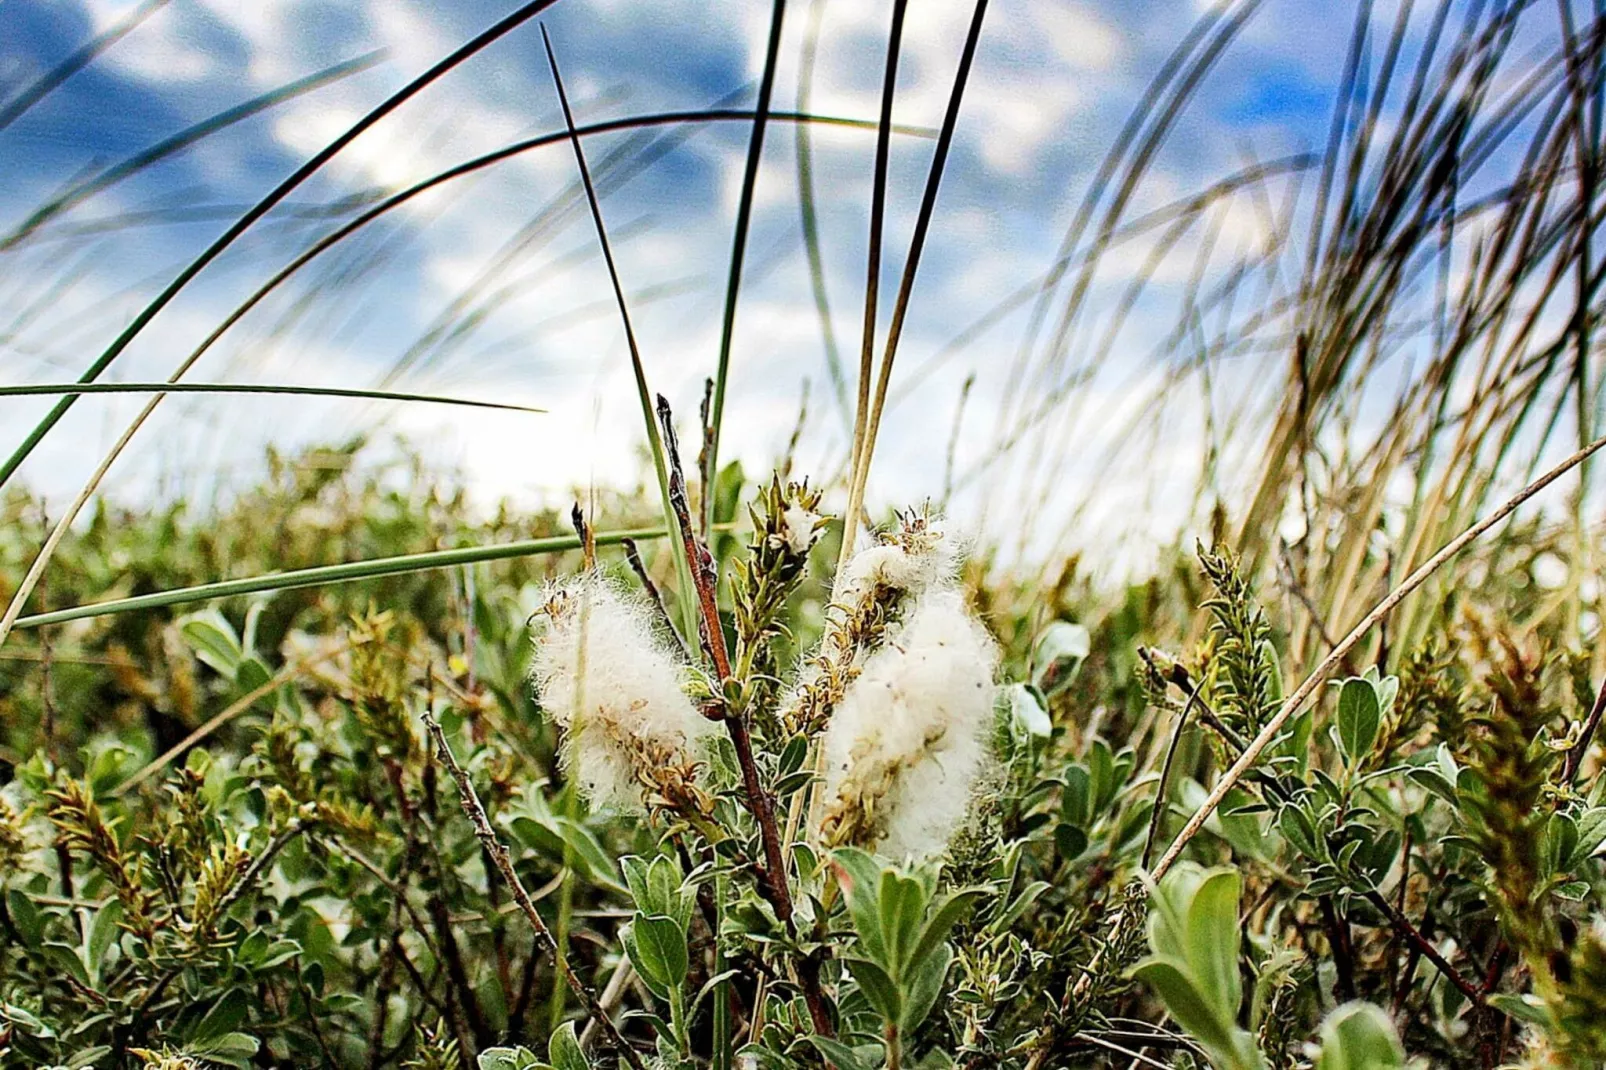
(910, 739)
(613, 686)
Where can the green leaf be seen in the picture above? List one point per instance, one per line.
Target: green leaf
(1360, 715)
(903, 905)
(1524, 1007)
(564, 1052)
(661, 953)
(1213, 940)
(231, 1049)
(1059, 653)
(878, 987)
(839, 1053)
(1069, 841)
(29, 919)
(1170, 981)
(1027, 712)
(941, 921)
(510, 1059)
(859, 875)
(212, 637)
(923, 987)
(102, 935)
(1359, 1036)
(87, 1056)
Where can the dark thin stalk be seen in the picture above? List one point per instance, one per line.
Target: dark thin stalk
(772, 876)
(493, 846)
(633, 556)
(644, 396)
(1165, 768)
(1575, 753)
(744, 215)
(872, 275)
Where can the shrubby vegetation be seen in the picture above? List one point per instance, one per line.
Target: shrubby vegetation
(701, 777)
(1411, 867)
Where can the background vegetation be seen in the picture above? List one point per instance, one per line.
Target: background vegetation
(232, 833)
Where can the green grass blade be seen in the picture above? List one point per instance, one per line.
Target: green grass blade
(48, 82)
(872, 278)
(323, 575)
(744, 215)
(95, 184)
(32, 389)
(804, 148)
(260, 209)
(688, 603)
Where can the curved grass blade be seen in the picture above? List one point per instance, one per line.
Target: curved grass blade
(32, 389)
(36, 570)
(83, 57)
(900, 308)
(744, 215)
(489, 159)
(323, 575)
(805, 199)
(917, 244)
(80, 192)
(260, 209)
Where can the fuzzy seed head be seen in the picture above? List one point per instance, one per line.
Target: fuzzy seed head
(917, 555)
(910, 739)
(614, 687)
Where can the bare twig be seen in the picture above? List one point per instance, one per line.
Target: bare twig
(633, 555)
(500, 855)
(1575, 753)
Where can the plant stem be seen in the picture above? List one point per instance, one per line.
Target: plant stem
(475, 811)
(1336, 656)
(772, 877)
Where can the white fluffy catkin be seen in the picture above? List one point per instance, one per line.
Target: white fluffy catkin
(910, 740)
(908, 561)
(614, 687)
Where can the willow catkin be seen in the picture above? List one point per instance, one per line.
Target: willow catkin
(614, 687)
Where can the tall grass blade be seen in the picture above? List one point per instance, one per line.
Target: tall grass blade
(324, 575)
(872, 277)
(47, 83)
(917, 244)
(82, 191)
(744, 215)
(260, 209)
(804, 147)
(34, 389)
(655, 443)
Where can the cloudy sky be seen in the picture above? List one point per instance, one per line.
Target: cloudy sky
(492, 285)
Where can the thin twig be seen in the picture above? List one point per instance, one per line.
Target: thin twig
(633, 555)
(1165, 767)
(475, 810)
(1403, 926)
(1336, 656)
(1575, 753)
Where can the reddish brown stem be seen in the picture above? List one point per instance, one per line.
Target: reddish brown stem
(772, 882)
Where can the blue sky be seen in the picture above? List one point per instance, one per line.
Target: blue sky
(532, 322)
